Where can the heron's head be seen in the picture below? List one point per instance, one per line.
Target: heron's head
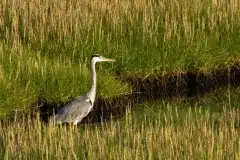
(98, 58)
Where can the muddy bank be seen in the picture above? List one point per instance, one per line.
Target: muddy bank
(172, 85)
(188, 84)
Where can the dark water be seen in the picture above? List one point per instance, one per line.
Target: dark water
(190, 86)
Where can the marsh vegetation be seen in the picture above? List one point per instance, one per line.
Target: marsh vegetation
(169, 129)
(45, 47)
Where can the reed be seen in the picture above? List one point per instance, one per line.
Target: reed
(160, 130)
(45, 45)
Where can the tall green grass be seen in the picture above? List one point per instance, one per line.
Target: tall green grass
(26, 76)
(182, 129)
(45, 45)
(144, 35)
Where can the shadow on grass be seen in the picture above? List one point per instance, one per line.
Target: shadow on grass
(175, 85)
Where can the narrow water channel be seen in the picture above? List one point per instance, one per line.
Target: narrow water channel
(189, 88)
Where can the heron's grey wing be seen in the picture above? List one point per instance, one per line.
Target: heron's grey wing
(74, 110)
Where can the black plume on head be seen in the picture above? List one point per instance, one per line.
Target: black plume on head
(95, 55)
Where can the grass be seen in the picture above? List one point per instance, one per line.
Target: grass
(182, 129)
(29, 77)
(45, 47)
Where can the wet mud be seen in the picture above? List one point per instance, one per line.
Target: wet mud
(174, 85)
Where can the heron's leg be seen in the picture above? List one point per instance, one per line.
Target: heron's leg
(75, 122)
(78, 119)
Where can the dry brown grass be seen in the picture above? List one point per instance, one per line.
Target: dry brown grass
(27, 73)
(192, 134)
(39, 19)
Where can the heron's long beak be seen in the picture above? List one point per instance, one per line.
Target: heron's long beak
(107, 59)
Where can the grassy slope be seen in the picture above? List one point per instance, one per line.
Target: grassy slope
(45, 48)
(27, 76)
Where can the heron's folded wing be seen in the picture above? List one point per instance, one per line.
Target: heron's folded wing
(74, 109)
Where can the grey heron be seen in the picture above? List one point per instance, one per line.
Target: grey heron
(77, 109)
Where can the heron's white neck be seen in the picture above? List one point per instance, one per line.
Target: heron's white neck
(92, 91)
